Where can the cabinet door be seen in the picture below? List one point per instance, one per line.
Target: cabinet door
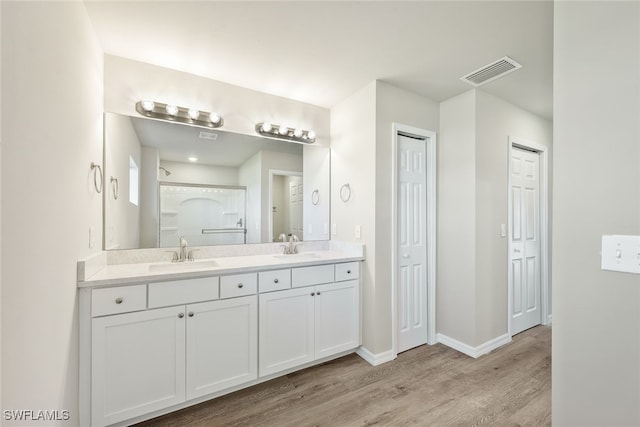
(337, 319)
(222, 344)
(286, 329)
(138, 364)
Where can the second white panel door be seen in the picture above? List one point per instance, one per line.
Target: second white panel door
(412, 243)
(525, 240)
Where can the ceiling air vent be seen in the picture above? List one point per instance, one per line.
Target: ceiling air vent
(208, 135)
(491, 71)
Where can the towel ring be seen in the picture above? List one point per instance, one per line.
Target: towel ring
(345, 192)
(315, 197)
(115, 187)
(97, 171)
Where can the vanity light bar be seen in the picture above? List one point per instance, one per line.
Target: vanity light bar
(286, 133)
(174, 113)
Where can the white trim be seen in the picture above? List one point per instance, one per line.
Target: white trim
(376, 359)
(478, 351)
(273, 172)
(544, 228)
(430, 151)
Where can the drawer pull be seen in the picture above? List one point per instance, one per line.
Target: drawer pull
(313, 294)
(191, 314)
(119, 300)
(181, 315)
(275, 280)
(240, 285)
(348, 271)
(318, 293)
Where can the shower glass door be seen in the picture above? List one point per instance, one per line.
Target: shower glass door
(204, 214)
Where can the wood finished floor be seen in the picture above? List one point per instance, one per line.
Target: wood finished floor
(426, 386)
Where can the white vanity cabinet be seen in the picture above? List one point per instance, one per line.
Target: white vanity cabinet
(138, 364)
(308, 322)
(149, 348)
(222, 344)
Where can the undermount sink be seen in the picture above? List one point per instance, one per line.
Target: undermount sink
(187, 265)
(298, 257)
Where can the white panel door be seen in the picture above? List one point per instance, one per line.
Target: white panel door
(337, 326)
(412, 243)
(137, 364)
(222, 344)
(286, 329)
(525, 240)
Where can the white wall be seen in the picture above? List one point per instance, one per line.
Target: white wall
(596, 314)
(400, 106)
(353, 151)
(122, 219)
(456, 262)
(472, 204)
(316, 167)
(496, 121)
(52, 65)
(361, 155)
(127, 82)
(193, 173)
(150, 160)
(249, 175)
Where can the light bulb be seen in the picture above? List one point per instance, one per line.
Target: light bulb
(147, 105)
(214, 118)
(172, 110)
(193, 159)
(297, 133)
(283, 130)
(194, 114)
(311, 135)
(266, 127)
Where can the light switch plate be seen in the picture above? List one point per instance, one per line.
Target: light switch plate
(357, 231)
(503, 230)
(621, 253)
(334, 229)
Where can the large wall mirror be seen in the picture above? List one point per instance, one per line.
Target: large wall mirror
(165, 180)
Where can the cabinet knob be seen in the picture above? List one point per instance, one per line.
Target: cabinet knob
(240, 285)
(191, 314)
(180, 315)
(318, 293)
(313, 294)
(275, 280)
(119, 300)
(348, 271)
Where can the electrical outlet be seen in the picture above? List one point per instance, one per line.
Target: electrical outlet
(334, 229)
(310, 229)
(357, 231)
(325, 229)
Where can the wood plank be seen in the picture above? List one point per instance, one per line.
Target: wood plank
(428, 385)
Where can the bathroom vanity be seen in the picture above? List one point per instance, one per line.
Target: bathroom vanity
(159, 336)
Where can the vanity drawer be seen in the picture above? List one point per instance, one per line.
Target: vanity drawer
(347, 271)
(118, 300)
(308, 276)
(238, 285)
(176, 292)
(276, 280)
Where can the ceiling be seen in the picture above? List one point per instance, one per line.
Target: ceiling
(322, 52)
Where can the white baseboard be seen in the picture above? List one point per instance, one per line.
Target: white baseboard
(474, 352)
(375, 359)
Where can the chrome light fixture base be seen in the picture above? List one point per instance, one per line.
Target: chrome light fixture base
(173, 113)
(285, 133)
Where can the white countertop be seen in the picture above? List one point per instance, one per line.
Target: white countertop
(120, 274)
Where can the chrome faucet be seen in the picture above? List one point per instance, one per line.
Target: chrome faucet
(292, 248)
(183, 249)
